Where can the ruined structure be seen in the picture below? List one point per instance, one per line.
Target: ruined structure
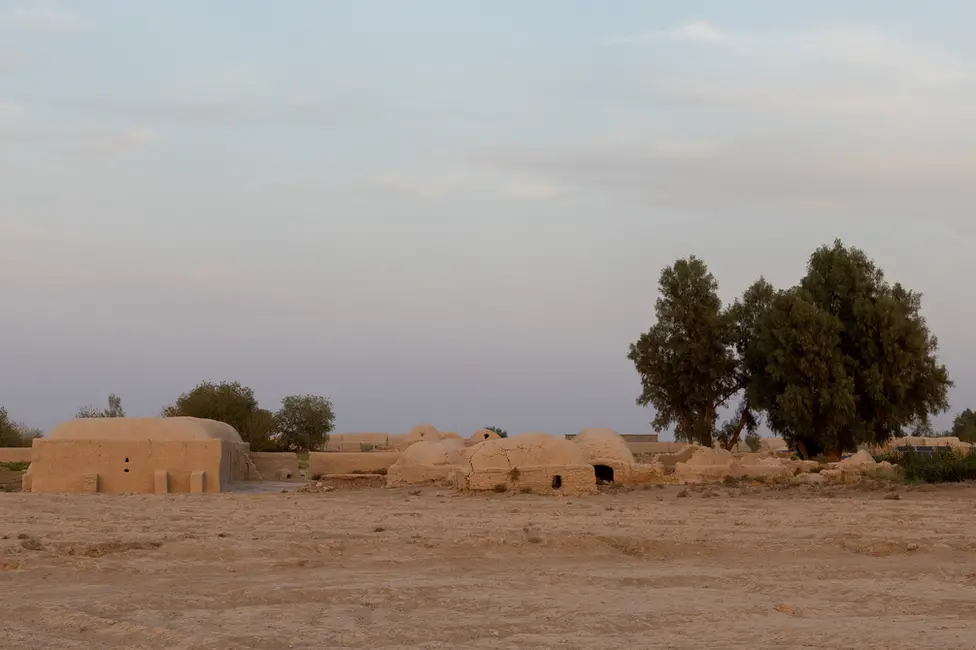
(427, 462)
(423, 432)
(140, 455)
(15, 454)
(537, 462)
(481, 435)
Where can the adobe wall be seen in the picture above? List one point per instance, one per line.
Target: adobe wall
(656, 447)
(274, 465)
(576, 479)
(15, 454)
(320, 463)
(403, 475)
(67, 465)
(357, 442)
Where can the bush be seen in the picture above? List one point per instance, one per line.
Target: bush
(944, 466)
(14, 467)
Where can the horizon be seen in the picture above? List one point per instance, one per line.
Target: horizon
(456, 214)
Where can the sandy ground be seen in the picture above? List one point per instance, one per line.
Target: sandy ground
(375, 568)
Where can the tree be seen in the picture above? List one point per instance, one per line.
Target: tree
(228, 402)
(261, 428)
(845, 358)
(501, 432)
(685, 360)
(798, 376)
(114, 409)
(964, 426)
(304, 422)
(753, 441)
(15, 434)
(744, 316)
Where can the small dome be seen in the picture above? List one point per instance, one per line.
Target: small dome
(423, 432)
(484, 434)
(604, 446)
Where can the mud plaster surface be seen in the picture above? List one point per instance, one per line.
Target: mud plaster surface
(642, 569)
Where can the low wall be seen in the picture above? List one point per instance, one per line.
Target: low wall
(656, 447)
(15, 454)
(320, 462)
(275, 465)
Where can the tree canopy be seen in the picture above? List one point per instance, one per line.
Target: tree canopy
(842, 358)
(15, 434)
(304, 422)
(114, 409)
(964, 426)
(501, 432)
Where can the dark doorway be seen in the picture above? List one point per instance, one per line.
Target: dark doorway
(557, 482)
(604, 473)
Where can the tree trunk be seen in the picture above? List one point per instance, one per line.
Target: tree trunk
(734, 440)
(803, 450)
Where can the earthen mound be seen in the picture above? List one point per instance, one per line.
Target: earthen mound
(427, 462)
(423, 432)
(533, 461)
(483, 434)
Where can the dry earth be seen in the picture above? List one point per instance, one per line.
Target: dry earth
(376, 568)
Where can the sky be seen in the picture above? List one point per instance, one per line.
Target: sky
(454, 211)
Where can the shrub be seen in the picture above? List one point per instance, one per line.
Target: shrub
(943, 466)
(14, 467)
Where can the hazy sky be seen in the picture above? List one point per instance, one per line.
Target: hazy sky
(454, 211)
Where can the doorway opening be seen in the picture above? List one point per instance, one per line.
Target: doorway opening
(604, 474)
(557, 482)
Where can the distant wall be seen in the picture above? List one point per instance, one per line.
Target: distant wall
(15, 454)
(350, 462)
(656, 447)
(66, 465)
(275, 465)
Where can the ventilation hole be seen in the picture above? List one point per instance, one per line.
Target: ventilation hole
(126, 470)
(127, 460)
(604, 473)
(557, 482)
(487, 435)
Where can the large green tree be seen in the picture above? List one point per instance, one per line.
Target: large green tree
(686, 361)
(304, 422)
(229, 402)
(845, 357)
(114, 409)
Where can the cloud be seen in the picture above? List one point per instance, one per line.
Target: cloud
(430, 188)
(42, 16)
(775, 175)
(697, 31)
(532, 190)
(9, 62)
(111, 143)
(864, 47)
(10, 111)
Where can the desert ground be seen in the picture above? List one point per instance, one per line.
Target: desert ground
(368, 567)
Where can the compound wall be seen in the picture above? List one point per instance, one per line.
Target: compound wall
(321, 463)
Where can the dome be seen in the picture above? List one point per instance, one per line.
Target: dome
(176, 428)
(604, 446)
(526, 450)
(433, 452)
(423, 432)
(484, 434)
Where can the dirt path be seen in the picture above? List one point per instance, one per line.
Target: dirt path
(375, 568)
